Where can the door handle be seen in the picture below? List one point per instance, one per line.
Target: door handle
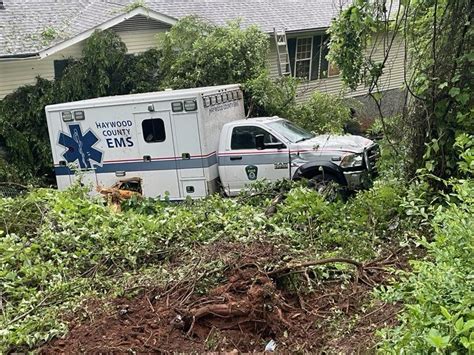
(147, 158)
(235, 158)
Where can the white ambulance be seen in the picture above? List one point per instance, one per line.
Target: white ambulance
(180, 143)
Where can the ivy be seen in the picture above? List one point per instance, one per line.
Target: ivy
(438, 37)
(350, 34)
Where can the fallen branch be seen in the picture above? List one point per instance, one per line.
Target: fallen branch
(286, 269)
(21, 316)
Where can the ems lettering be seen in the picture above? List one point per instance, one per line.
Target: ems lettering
(117, 134)
(120, 142)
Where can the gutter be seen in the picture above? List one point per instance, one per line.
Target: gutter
(14, 57)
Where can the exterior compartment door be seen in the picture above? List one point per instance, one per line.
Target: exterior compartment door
(158, 156)
(188, 146)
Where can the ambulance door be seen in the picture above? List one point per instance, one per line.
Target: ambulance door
(158, 157)
(188, 145)
(189, 153)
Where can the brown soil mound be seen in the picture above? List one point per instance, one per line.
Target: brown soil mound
(243, 314)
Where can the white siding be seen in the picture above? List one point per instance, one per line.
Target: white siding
(140, 41)
(14, 74)
(392, 78)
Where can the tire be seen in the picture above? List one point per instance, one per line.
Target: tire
(328, 186)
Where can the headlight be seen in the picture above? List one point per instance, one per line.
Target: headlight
(352, 160)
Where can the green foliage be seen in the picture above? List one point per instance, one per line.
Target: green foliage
(135, 4)
(438, 36)
(438, 294)
(270, 97)
(196, 53)
(104, 69)
(465, 146)
(322, 113)
(350, 34)
(57, 248)
(23, 128)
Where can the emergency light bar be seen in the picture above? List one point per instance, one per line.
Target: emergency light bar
(220, 98)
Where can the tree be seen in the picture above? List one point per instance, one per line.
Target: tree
(197, 53)
(438, 38)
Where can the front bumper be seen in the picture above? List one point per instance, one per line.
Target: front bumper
(357, 180)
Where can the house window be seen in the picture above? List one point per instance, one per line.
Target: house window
(60, 66)
(308, 57)
(154, 130)
(304, 47)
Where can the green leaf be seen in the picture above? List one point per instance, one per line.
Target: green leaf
(468, 325)
(445, 313)
(437, 340)
(459, 325)
(453, 92)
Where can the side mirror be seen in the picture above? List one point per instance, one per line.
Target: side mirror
(260, 141)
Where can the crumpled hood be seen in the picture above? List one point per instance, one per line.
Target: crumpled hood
(348, 143)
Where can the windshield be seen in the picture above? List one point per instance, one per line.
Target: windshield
(290, 131)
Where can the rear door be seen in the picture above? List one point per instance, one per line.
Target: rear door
(188, 145)
(158, 156)
(244, 164)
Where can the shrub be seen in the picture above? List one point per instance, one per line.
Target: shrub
(196, 53)
(438, 296)
(322, 113)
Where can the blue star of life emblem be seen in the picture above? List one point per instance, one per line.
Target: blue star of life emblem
(80, 147)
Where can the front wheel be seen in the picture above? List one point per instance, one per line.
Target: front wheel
(327, 185)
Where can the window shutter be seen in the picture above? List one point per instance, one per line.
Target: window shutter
(292, 53)
(324, 62)
(315, 60)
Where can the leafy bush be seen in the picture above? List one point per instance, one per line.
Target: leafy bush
(438, 294)
(322, 113)
(270, 97)
(57, 248)
(196, 53)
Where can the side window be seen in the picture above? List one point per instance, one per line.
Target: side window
(244, 137)
(154, 130)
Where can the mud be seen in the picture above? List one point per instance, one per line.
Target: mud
(241, 314)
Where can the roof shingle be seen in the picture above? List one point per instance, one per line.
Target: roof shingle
(29, 26)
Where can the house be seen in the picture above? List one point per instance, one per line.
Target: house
(38, 36)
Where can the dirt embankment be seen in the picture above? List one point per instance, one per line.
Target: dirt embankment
(243, 313)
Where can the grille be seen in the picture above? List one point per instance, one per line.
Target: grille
(371, 156)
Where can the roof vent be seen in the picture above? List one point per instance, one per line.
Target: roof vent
(2, 7)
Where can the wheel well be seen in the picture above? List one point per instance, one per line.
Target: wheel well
(313, 171)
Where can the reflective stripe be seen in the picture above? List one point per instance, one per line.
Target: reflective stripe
(193, 163)
(253, 159)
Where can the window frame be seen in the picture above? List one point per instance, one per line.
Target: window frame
(279, 140)
(306, 59)
(153, 131)
(320, 39)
